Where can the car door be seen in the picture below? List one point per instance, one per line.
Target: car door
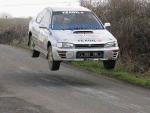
(36, 29)
(44, 31)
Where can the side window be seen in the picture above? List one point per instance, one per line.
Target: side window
(40, 16)
(46, 19)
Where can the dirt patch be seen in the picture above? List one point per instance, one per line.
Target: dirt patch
(2, 90)
(15, 105)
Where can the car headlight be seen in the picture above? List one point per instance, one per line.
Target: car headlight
(65, 45)
(111, 44)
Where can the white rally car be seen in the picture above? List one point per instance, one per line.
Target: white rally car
(72, 34)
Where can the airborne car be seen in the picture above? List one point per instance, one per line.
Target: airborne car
(72, 34)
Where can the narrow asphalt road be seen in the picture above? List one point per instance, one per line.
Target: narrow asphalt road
(27, 86)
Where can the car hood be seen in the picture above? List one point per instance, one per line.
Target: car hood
(83, 36)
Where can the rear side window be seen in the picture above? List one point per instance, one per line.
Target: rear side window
(46, 20)
(40, 16)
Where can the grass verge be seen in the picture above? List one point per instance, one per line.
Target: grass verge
(118, 73)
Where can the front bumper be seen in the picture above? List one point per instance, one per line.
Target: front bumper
(71, 54)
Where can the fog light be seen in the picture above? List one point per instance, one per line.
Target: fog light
(62, 54)
(69, 54)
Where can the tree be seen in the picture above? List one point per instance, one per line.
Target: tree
(5, 15)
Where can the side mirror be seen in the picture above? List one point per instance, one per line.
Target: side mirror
(107, 25)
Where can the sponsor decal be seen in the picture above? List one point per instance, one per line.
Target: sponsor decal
(98, 40)
(88, 40)
(72, 12)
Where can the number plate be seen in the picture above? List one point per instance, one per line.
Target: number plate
(90, 54)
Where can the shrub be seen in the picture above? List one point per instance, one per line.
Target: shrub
(130, 21)
(13, 29)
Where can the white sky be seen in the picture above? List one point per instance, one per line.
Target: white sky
(26, 8)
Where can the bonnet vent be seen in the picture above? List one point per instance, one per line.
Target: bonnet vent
(83, 32)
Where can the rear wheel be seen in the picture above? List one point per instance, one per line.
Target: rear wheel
(35, 54)
(109, 64)
(31, 44)
(53, 65)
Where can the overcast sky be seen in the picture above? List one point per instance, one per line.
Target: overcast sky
(26, 8)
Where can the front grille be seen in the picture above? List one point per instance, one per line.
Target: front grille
(89, 46)
(90, 54)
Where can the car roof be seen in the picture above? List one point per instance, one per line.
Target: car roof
(67, 8)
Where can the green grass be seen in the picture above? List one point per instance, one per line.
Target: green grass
(118, 73)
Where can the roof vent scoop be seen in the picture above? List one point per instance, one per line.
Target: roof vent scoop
(83, 32)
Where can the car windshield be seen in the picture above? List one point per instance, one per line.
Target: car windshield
(75, 21)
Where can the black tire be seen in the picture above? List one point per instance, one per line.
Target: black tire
(53, 65)
(35, 54)
(109, 64)
(29, 41)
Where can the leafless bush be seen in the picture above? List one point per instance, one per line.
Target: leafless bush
(130, 21)
(13, 29)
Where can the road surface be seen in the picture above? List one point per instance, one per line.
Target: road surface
(27, 86)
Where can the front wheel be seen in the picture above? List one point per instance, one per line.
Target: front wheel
(53, 65)
(109, 64)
